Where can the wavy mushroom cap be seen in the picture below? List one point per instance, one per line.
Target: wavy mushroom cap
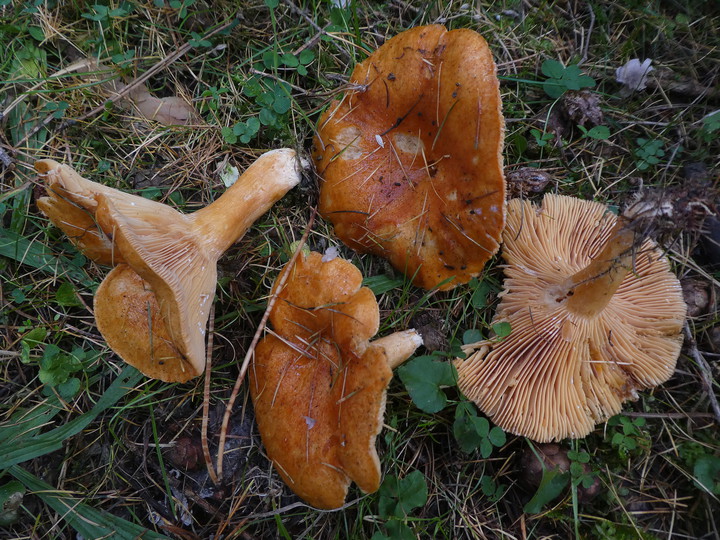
(173, 262)
(559, 372)
(411, 157)
(318, 384)
(171, 254)
(71, 204)
(162, 257)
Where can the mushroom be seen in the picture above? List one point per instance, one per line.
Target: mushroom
(153, 307)
(594, 318)
(411, 156)
(319, 385)
(73, 209)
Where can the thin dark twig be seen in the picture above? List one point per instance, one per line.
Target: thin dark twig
(322, 31)
(206, 398)
(40, 125)
(705, 371)
(586, 44)
(403, 117)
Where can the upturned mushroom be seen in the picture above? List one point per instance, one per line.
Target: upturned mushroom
(595, 315)
(153, 307)
(411, 156)
(319, 385)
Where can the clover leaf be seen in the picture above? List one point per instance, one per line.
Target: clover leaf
(56, 365)
(423, 378)
(707, 473)
(561, 78)
(398, 497)
(472, 431)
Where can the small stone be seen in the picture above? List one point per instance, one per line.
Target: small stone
(552, 456)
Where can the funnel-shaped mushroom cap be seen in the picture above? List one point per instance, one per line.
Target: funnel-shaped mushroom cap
(563, 369)
(319, 385)
(174, 255)
(411, 158)
(140, 334)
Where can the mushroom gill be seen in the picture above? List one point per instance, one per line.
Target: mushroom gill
(595, 315)
(174, 256)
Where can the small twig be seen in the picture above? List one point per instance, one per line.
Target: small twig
(312, 41)
(162, 64)
(299, 504)
(37, 127)
(279, 79)
(299, 11)
(705, 372)
(206, 398)
(256, 338)
(586, 44)
(70, 69)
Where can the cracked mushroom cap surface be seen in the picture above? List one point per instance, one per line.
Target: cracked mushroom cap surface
(318, 385)
(162, 253)
(411, 156)
(559, 373)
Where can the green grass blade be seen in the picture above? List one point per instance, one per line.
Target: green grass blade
(19, 451)
(35, 254)
(27, 423)
(382, 283)
(86, 520)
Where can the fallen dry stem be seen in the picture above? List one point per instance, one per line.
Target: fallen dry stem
(256, 338)
(206, 398)
(705, 372)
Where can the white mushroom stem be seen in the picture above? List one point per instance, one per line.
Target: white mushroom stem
(399, 346)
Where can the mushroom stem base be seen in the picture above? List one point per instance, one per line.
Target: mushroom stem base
(589, 291)
(399, 346)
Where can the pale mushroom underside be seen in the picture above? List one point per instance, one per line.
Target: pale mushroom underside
(170, 257)
(558, 374)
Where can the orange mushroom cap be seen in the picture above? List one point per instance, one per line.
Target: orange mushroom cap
(573, 355)
(138, 334)
(411, 157)
(319, 385)
(170, 254)
(72, 207)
